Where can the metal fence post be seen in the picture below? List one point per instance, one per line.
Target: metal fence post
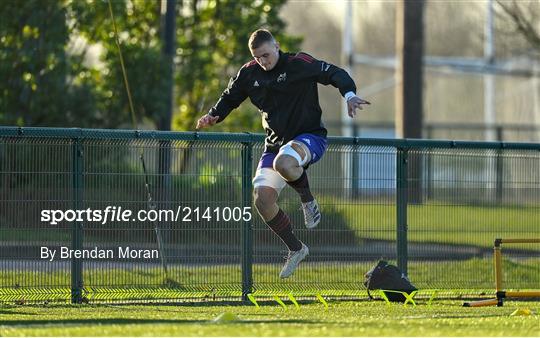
(247, 231)
(499, 177)
(402, 161)
(429, 166)
(499, 169)
(77, 227)
(355, 165)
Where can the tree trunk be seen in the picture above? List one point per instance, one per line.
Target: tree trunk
(409, 76)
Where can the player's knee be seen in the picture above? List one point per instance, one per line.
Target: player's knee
(264, 197)
(291, 156)
(284, 163)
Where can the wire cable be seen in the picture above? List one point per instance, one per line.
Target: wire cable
(150, 201)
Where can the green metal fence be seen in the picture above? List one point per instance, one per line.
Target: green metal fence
(432, 207)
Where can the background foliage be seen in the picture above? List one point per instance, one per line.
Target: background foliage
(52, 77)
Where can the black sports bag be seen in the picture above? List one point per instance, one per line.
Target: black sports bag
(384, 276)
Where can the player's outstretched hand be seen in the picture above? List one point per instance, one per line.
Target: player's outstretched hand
(206, 121)
(355, 103)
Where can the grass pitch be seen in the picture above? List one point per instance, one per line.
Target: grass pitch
(341, 318)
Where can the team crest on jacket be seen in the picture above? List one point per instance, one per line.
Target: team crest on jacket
(282, 77)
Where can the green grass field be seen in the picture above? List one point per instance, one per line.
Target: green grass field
(455, 225)
(341, 318)
(225, 280)
(438, 223)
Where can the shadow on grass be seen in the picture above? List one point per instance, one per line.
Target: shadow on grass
(195, 303)
(128, 321)
(262, 302)
(453, 316)
(7, 312)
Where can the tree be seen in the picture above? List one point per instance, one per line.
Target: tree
(525, 16)
(48, 82)
(138, 24)
(41, 83)
(212, 46)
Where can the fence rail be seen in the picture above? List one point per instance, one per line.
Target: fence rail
(472, 131)
(431, 206)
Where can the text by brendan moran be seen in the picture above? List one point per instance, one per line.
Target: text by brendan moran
(96, 253)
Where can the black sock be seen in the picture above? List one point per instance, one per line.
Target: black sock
(301, 185)
(281, 225)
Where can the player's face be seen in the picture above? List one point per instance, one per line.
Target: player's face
(267, 55)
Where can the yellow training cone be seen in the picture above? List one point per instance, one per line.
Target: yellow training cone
(522, 312)
(226, 317)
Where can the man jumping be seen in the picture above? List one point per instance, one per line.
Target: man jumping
(284, 88)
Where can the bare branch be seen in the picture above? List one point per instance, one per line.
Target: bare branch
(523, 24)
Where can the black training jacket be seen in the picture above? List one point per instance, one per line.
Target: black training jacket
(286, 96)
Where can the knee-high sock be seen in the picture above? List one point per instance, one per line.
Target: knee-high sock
(301, 185)
(281, 225)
